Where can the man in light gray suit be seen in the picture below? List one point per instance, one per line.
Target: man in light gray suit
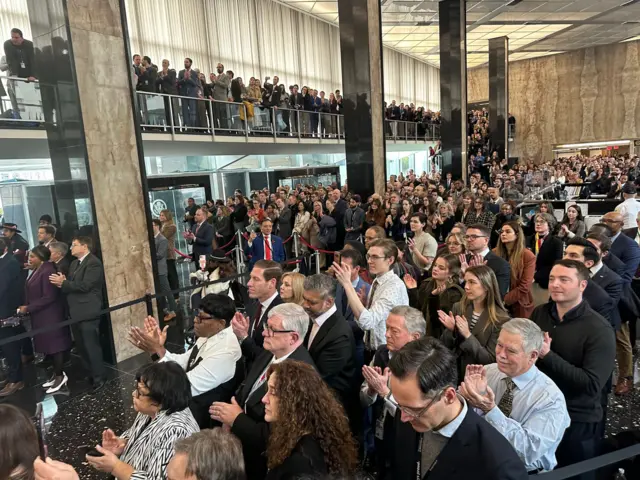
(220, 84)
(162, 251)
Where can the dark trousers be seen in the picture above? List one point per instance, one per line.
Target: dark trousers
(87, 341)
(167, 298)
(580, 442)
(13, 352)
(171, 112)
(172, 274)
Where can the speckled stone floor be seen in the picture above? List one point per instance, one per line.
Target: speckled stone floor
(82, 416)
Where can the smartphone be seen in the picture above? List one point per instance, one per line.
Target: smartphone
(90, 451)
(336, 258)
(41, 431)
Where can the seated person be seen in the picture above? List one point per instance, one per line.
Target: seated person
(210, 363)
(519, 400)
(161, 398)
(309, 432)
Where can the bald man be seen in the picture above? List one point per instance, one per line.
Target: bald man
(623, 247)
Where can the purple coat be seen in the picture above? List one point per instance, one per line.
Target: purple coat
(45, 304)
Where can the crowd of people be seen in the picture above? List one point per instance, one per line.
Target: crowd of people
(443, 325)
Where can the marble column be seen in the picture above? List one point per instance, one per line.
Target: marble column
(363, 95)
(96, 154)
(499, 95)
(453, 87)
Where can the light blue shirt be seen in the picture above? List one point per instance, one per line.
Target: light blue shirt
(452, 427)
(538, 417)
(615, 237)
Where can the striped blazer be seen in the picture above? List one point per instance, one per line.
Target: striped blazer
(150, 442)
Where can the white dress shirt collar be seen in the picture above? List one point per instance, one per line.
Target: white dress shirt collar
(354, 282)
(324, 317)
(596, 268)
(484, 252)
(268, 301)
(81, 259)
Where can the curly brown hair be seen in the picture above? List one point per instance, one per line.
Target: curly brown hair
(306, 406)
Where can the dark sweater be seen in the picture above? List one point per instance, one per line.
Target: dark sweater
(581, 359)
(18, 55)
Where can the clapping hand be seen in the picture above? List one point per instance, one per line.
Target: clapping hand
(376, 379)
(106, 463)
(150, 338)
(343, 273)
(112, 443)
(57, 279)
(253, 236)
(463, 326)
(448, 321)
(362, 295)
(546, 345)
(409, 281)
(439, 290)
(475, 389)
(225, 413)
(463, 263)
(411, 243)
(240, 325)
(477, 260)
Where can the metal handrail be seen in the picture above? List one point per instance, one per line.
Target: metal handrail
(23, 79)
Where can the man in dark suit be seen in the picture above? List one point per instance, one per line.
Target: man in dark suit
(285, 225)
(201, 237)
(341, 208)
(354, 259)
(263, 288)
(330, 339)
(188, 86)
(83, 290)
(296, 102)
(477, 237)
(265, 246)
(284, 335)
(423, 383)
(623, 247)
(18, 247)
(10, 299)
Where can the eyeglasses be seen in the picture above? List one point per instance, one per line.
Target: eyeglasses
(540, 222)
(410, 412)
(271, 332)
(374, 257)
(474, 237)
(199, 317)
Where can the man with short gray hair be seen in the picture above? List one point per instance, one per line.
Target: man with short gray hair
(284, 333)
(404, 324)
(59, 257)
(516, 398)
(206, 455)
(330, 339)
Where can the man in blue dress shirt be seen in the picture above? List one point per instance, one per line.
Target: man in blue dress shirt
(516, 398)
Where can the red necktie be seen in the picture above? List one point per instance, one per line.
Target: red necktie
(267, 248)
(540, 240)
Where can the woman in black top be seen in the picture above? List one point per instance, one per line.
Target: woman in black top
(309, 431)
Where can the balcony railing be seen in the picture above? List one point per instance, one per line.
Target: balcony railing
(20, 102)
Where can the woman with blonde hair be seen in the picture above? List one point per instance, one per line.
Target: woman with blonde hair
(511, 247)
(442, 221)
(292, 288)
(473, 324)
(455, 244)
(169, 231)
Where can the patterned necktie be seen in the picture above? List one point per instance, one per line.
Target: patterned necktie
(506, 402)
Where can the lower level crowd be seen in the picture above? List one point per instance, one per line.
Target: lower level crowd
(486, 351)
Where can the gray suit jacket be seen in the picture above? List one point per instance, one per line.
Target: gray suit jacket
(284, 223)
(162, 250)
(221, 87)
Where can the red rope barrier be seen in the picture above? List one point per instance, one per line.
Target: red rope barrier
(233, 239)
(184, 255)
(315, 248)
(287, 240)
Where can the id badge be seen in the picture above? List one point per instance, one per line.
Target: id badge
(22, 65)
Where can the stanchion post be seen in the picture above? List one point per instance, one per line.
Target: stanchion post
(241, 267)
(149, 303)
(317, 254)
(296, 250)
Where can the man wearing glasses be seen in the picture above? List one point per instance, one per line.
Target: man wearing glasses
(284, 334)
(210, 363)
(451, 440)
(477, 238)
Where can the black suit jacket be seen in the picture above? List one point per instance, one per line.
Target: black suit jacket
(486, 453)
(255, 340)
(250, 427)
(63, 266)
(333, 351)
(612, 285)
(550, 252)
(83, 287)
(628, 251)
(10, 286)
(501, 268)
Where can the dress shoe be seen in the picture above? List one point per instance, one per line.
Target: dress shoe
(11, 388)
(97, 385)
(623, 387)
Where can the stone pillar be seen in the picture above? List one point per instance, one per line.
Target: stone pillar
(363, 95)
(85, 77)
(499, 95)
(453, 87)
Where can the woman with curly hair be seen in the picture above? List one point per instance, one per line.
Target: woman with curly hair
(309, 432)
